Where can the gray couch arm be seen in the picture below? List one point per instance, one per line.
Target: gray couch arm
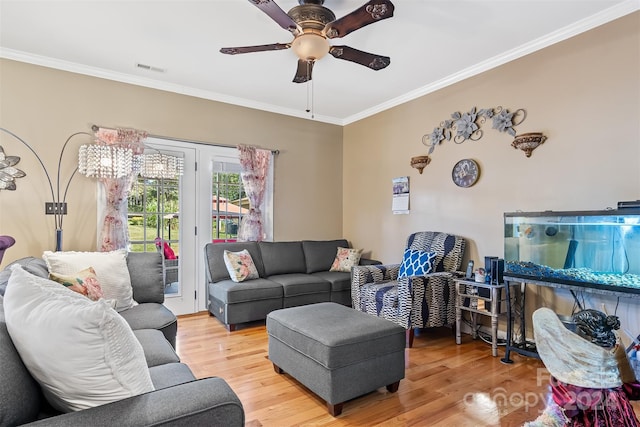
(206, 402)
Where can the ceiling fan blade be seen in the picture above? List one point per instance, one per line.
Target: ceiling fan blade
(375, 62)
(373, 11)
(303, 73)
(259, 48)
(276, 13)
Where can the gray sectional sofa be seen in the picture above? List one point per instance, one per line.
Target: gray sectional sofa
(291, 274)
(178, 398)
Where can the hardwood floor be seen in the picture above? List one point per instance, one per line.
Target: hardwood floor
(445, 384)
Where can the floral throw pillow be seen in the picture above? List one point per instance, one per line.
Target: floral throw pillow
(416, 263)
(84, 282)
(345, 259)
(240, 265)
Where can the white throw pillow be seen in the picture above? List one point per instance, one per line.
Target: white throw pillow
(240, 265)
(81, 352)
(111, 270)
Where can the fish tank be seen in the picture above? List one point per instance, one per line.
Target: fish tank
(593, 249)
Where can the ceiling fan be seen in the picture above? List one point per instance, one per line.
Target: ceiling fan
(312, 25)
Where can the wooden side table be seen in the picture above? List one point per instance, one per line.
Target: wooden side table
(479, 305)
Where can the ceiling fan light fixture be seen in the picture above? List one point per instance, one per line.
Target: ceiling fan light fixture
(310, 46)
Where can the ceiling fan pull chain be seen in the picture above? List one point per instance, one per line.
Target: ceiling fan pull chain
(312, 101)
(309, 90)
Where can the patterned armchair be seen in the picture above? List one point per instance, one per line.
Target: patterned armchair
(413, 301)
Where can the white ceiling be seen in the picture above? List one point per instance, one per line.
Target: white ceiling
(432, 43)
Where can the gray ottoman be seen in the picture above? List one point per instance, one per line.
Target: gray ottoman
(335, 351)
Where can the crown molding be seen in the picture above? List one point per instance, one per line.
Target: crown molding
(610, 14)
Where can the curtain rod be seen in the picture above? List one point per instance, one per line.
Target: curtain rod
(169, 138)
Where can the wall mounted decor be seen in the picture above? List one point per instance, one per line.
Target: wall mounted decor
(467, 126)
(8, 173)
(528, 142)
(465, 173)
(420, 162)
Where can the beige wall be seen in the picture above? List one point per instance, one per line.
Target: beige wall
(584, 94)
(44, 106)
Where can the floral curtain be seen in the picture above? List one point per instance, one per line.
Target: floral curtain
(114, 233)
(255, 167)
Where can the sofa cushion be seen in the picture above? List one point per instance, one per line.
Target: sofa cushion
(20, 395)
(152, 316)
(157, 350)
(111, 269)
(301, 284)
(216, 269)
(170, 374)
(282, 258)
(230, 292)
(81, 352)
(340, 281)
(320, 254)
(145, 270)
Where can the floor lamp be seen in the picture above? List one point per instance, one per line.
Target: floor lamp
(57, 208)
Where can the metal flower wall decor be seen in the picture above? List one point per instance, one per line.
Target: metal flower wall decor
(8, 173)
(467, 126)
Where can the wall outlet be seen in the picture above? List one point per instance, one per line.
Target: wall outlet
(53, 208)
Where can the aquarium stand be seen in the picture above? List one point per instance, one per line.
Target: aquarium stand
(516, 315)
(516, 310)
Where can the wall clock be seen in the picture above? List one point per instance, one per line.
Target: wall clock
(465, 173)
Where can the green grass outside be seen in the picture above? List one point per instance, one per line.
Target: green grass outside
(137, 233)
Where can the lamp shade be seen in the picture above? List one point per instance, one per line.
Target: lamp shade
(105, 161)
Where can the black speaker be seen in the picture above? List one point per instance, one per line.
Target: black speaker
(494, 267)
(497, 271)
(488, 263)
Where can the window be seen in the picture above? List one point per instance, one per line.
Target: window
(229, 202)
(154, 224)
(153, 213)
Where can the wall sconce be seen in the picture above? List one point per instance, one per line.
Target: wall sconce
(420, 162)
(528, 142)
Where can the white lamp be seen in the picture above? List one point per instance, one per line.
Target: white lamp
(310, 45)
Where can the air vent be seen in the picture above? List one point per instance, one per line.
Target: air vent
(150, 68)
